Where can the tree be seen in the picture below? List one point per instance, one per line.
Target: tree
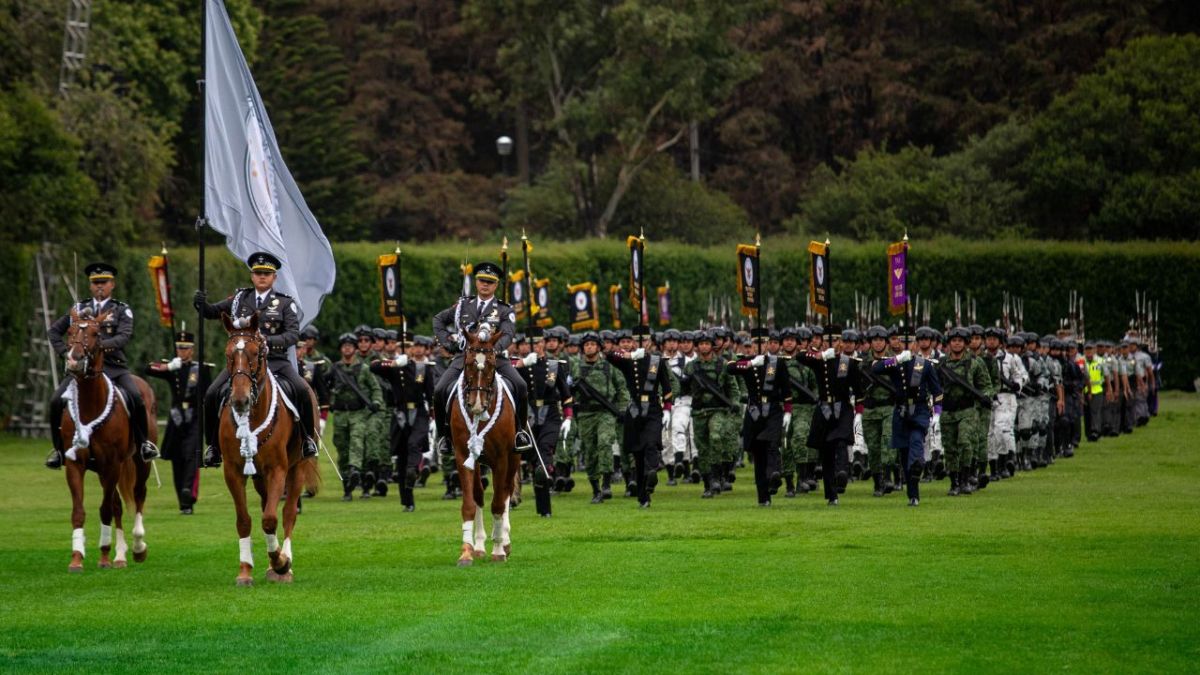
(626, 77)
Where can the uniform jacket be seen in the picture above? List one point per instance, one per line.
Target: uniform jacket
(277, 319)
(115, 331)
(549, 390)
(465, 313)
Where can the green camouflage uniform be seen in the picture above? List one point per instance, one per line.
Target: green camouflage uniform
(959, 414)
(595, 426)
(797, 452)
(379, 424)
(352, 418)
(984, 422)
(878, 405)
(714, 424)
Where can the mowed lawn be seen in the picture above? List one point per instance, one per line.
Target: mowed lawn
(1090, 565)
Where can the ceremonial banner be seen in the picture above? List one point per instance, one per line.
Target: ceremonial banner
(637, 270)
(748, 279)
(819, 293)
(614, 298)
(664, 305)
(585, 313)
(516, 294)
(467, 270)
(898, 277)
(541, 302)
(161, 279)
(249, 195)
(391, 290)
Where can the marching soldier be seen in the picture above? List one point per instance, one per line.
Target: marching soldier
(116, 330)
(649, 411)
(878, 404)
(599, 395)
(713, 393)
(963, 381)
(980, 477)
(278, 323)
(180, 445)
(1010, 380)
(546, 379)
(354, 395)
(797, 455)
(918, 399)
(411, 382)
(768, 413)
(838, 378)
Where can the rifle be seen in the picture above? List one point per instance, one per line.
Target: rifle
(711, 387)
(876, 379)
(799, 386)
(591, 392)
(350, 383)
(953, 377)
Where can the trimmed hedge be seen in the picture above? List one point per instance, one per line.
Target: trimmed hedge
(1043, 273)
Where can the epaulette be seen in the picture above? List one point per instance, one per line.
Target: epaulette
(283, 295)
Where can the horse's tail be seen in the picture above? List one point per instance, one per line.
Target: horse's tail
(310, 474)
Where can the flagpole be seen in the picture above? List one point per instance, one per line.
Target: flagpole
(908, 314)
(758, 279)
(202, 219)
(528, 286)
(828, 273)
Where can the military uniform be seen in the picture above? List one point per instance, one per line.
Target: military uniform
(838, 379)
(878, 403)
(547, 381)
(182, 438)
(796, 453)
(650, 394)
(918, 395)
(1029, 408)
(959, 413)
(713, 419)
(596, 423)
(354, 395)
(766, 419)
(1002, 438)
(411, 385)
(983, 422)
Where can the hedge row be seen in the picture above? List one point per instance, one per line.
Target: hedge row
(1043, 273)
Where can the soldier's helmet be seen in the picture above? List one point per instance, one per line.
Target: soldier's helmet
(994, 331)
(804, 333)
(975, 329)
(590, 336)
(877, 332)
(925, 333)
(705, 336)
(363, 329)
(379, 333)
(1015, 341)
(347, 338)
(849, 335)
(310, 332)
(687, 336)
(959, 332)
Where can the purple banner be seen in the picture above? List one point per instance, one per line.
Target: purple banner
(898, 278)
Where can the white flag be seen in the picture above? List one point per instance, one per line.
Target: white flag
(249, 195)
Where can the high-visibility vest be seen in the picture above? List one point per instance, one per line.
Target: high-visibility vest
(1097, 378)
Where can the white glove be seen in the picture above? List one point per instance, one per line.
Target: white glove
(637, 353)
(758, 360)
(787, 421)
(175, 363)
(904, 356)
(565, 428)
(461, 341)
(827, 354)
(401, 360)
(320, 427)
(666, 423)
(530, 359)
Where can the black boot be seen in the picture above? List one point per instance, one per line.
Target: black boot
(878, 485)
(708, 493)
(913, 482)
(693, 472)
(964, 482)
(791, 486)
(896, 483)
(982, 475)
(606, 486)
(671, 475)
(993, 473)
(954, 489)
(560, 477)
(597, 495)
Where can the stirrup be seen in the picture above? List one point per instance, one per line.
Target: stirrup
(54, 460)
(212, 458)
(149, 451)
(524, 441)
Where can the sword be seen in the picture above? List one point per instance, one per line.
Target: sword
(156, 478)
(331, 461)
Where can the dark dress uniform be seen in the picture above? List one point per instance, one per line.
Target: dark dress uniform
(551, 403)
(768, 399)
(649, 383)
(471, 312)
(411, 388)
(115, 332)
(180, 443)
(832, 428)
(278, 323)
(917, 387)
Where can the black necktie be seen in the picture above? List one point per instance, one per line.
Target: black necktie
(262, 301)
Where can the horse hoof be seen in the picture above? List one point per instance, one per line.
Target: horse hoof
(465, 562)
(104, 565)
(140, 557)
(279, 578)
(507, 550)
(245, 581)
(75, 569)
(120, 564)
(499, 557)
(480, 554)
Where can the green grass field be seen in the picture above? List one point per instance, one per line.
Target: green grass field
(1091, 565)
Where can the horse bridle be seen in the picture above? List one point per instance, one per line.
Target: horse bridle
(80, 328)
(490, 390)
(252, 375)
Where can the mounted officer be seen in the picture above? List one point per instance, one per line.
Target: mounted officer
(278, 323)
(116, 330)
(470, 313)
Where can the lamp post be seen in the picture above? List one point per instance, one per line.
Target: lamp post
(504, 146)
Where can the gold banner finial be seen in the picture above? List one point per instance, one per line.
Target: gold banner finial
(164, 248)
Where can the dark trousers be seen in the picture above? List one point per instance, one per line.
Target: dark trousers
(1094, 416)
(833, 463)
(767, 462)
(123, 379)
(911, 456)
(185, 463)
(643, 440)
(409, 443)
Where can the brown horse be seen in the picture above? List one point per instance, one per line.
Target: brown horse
(483, 425)
(96, 428)
(258, 438)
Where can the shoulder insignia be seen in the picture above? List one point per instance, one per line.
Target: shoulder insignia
(512, 318)
(294, 311)
(129, 312)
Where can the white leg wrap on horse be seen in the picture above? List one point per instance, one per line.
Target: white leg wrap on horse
(105, 535)
(122, 548)
(244, 549)
(480, 531)
(77, 541)
(139, 533)
(272, 543)
(468, 527)
(498, 530)
(507, 525)
(287, 548)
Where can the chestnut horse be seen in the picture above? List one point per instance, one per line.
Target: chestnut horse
(96, 429)
(259, 438)
(483, 424)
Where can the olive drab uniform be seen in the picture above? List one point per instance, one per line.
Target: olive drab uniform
(983, 421)
(116, 330)
(959, 415)
(600, 395)
(379, 427)
(550, 403)
(649, 383)
(354, 393)
(797, 454)
(714, 395)
(181, 442)
(410, 410)
(878, 402)
(768, 402)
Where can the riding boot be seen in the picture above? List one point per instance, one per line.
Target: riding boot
(141, 434)
(541, 498)
(212, 424)
(597, 496)
(308, 445)
(55, 459)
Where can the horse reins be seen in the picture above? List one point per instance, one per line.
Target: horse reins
(489, 392)
(78, 339)
(258, 365)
